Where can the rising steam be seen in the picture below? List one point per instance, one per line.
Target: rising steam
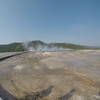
(39, 46)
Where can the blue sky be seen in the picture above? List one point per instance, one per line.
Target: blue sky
(72, 21)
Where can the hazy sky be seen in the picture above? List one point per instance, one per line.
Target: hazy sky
(72, 21)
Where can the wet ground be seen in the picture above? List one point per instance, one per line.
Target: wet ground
(61, 75)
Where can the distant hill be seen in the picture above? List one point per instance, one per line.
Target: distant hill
(39, 45)
(69, 46)
(13, 47)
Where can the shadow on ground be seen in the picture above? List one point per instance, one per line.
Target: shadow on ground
(5, 95)
(68, 95)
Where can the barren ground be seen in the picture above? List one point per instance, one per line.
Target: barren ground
(72, 74)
